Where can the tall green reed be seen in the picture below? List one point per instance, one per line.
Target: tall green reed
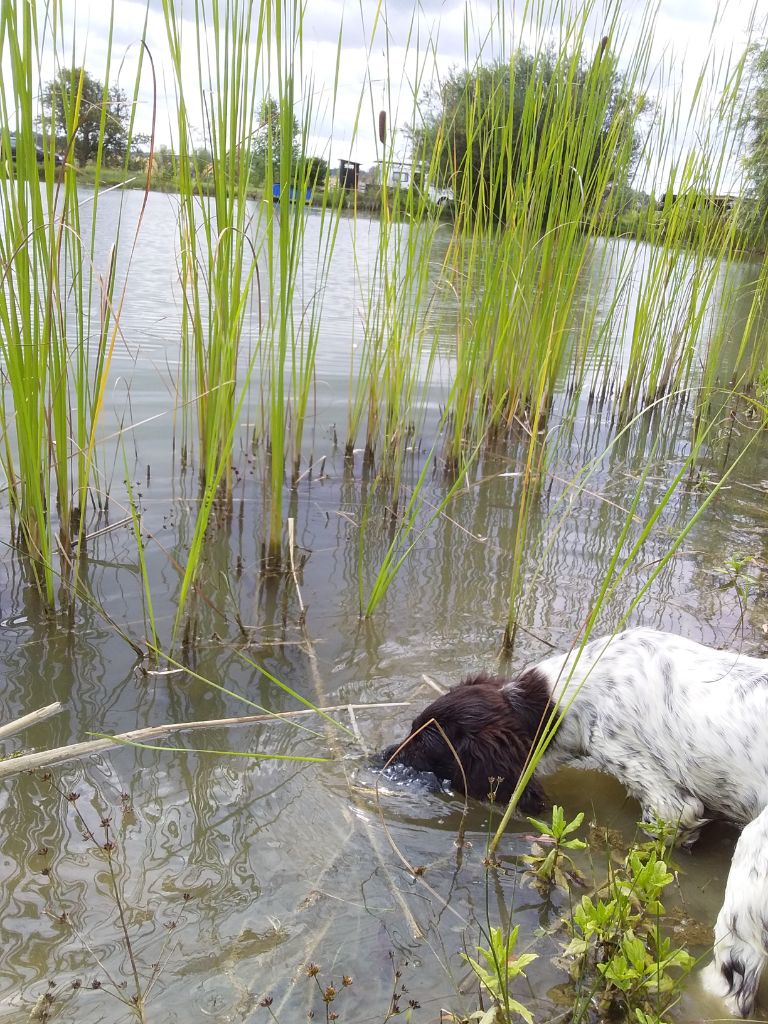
(546, 132)
(531, 143)
(217, 239)
(753, 349)
(683, 274)
(283, 248)
(675, 279)
(390, 378)
(244, 57)
(549, 137)
(51, 292)
(217, 254)
(292, 334)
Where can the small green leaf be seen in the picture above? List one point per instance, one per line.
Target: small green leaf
(523, 1011)
(573, 825)
(576, 947)
(541, 826)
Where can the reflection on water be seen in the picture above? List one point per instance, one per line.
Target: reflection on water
(287, 863)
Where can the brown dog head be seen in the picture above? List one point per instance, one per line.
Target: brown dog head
(491, 724)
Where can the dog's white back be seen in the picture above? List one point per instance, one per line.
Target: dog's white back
(683, 726)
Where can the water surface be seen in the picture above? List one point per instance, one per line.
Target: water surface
(287, 863)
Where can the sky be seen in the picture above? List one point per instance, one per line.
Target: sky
(389, 53)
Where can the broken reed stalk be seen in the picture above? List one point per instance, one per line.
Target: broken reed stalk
(48, 758)
(31, 719)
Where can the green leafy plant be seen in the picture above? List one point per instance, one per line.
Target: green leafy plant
(663, 836)
(640, 970)
(647, 1018)
(496, 972)
(619, 953)
(736, 570)
(549, 862)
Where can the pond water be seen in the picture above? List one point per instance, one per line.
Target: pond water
(288, 862)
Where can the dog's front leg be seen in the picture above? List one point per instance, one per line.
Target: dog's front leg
(655, 786)
(741, 931)
(681, 828)
(682, 812)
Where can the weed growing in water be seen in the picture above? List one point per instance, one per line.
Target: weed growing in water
(620, 961)
(550, 864)
(328, 992)
(499, 969)
(104, 837)
(619, 957)
(399, 993)
(735, 569)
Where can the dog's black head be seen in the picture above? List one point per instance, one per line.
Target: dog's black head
(491, 731)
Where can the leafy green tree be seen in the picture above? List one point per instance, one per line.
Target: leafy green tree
(315, 169)
(163, 164)
(203, 159)
(83, 118)
(267, 143)
(755, 125)
(485, 130)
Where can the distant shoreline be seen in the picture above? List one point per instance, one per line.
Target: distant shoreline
(632, 226)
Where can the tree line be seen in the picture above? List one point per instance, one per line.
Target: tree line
(462, 153)
(480, 127)
(755, 125)
(102, 123)
(488, 131)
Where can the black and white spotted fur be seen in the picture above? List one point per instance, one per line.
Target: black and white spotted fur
(682, 726)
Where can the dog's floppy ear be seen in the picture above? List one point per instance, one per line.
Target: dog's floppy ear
(493, 762)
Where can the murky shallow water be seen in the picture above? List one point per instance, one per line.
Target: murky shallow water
(288, 863)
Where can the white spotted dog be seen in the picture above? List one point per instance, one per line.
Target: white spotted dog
(741, 930)
(682, 726)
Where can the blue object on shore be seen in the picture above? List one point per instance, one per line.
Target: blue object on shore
(294, 193)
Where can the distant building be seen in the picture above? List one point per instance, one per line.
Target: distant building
(723, 202)
(403, 174)
(349, 174)
(398, 174)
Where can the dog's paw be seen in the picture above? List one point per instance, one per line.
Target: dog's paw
(737, 996)
(713, 982)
